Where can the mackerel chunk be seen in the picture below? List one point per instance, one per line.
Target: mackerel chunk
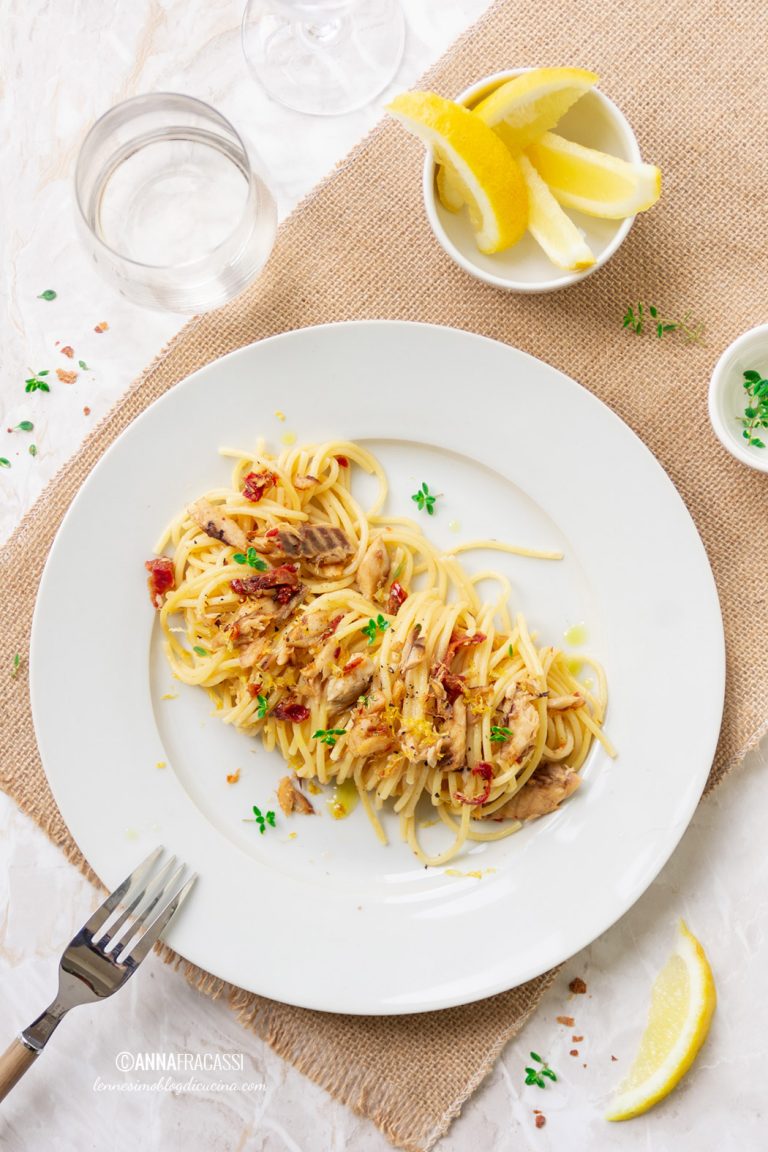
(217, 525)
(321, 543)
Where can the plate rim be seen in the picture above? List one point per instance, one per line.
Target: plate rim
(670, 842)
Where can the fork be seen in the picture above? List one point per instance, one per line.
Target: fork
(90, 969)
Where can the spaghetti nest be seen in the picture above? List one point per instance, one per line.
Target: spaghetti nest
(351, 644)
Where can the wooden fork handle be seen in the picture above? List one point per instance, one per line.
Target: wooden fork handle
(14, 1063)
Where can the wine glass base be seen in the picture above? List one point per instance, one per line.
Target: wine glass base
(329, 65)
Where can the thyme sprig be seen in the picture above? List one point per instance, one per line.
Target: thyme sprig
(637, 316)
(536, 1075)
(756, 412)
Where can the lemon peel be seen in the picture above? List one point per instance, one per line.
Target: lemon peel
(484, 170)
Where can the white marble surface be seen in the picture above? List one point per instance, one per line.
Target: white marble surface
(62, 65)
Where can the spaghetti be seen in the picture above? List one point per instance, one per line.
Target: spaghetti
(362, 653)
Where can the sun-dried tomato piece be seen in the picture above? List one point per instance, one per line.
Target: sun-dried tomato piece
(342, 462)
(454, 686)
(461, 640)
(332, 626)
(291, 710)
(255, 484)
(484, 770)
(161, 579)
(283, 580)
(397, 597)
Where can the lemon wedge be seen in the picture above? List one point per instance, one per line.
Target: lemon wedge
(520, 111)
(524, 108)
(593, 182)
(488, 178)
(682, 1002)
(550, 227)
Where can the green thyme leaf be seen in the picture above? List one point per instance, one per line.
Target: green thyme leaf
(255, 560)
(82, 364)
(499, 735)
(424, 501)
(200, 651)
(32, 449)
(263, 707)
(25, 426)
(16, 663)
(49, 294)
(328, 735)
(756, 411)
(374, 627)
(634, 318)
(4, 462)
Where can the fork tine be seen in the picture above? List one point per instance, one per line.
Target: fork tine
(153, 881)
(156, 894)
(152, 934)
(136, 878)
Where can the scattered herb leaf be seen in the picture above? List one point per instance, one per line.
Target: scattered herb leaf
(536, 1075)
(499, 735)
(756, 411)
(49, 294)
(32, 449)
(82, 364)
(263, 707)
(635, 318)
(252, 558)
(4, 462)
(262, 819)
(25, 426)
(328, 735)
(375, 626)
(36, 383)
(16, 663)
(200, 651)
(423, 500)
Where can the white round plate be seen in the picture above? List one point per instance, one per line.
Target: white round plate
(330, 919)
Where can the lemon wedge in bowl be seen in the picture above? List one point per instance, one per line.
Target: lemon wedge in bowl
(527, 106)
(555, 232)
(682, 1002)
(486, 175)
(520, 111)
(594, 182)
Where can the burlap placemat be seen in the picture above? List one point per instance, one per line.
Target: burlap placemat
(692, 78)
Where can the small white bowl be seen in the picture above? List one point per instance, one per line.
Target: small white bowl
(594, 121)
(728, 399)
